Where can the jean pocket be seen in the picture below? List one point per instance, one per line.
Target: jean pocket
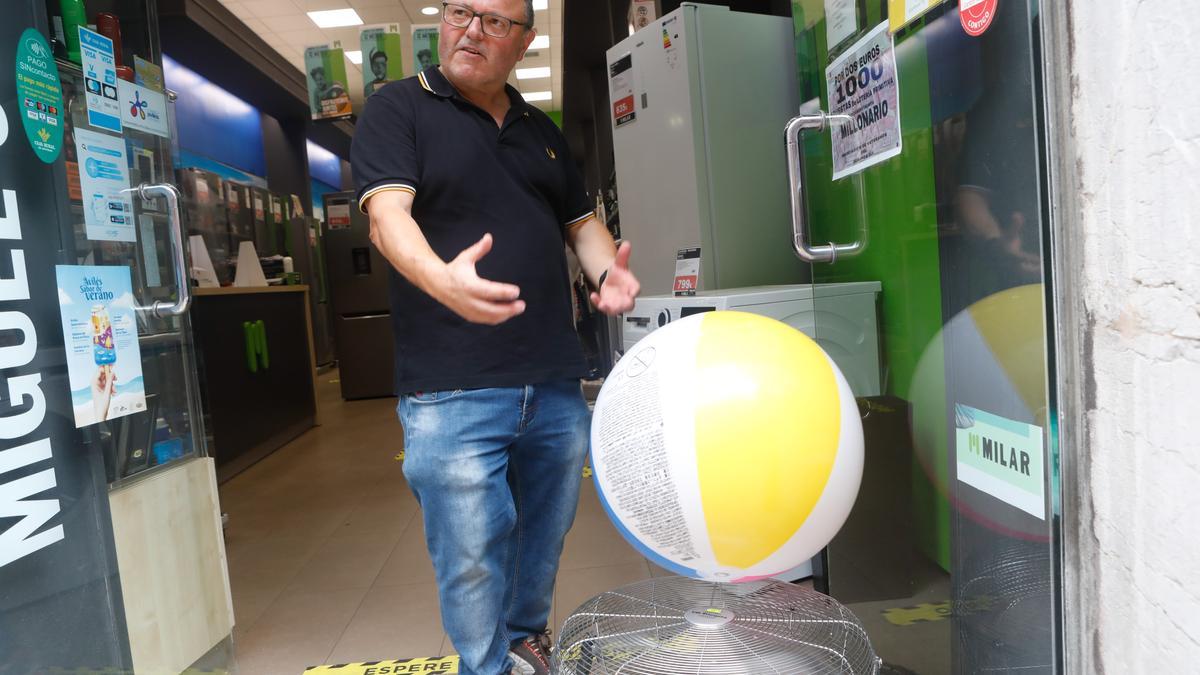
(433, 396)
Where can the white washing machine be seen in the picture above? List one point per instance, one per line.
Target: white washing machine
(840, 317)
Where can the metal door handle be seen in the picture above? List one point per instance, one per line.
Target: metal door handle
(829, 252)
(175, 220)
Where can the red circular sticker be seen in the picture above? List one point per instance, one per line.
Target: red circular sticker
(976, 15)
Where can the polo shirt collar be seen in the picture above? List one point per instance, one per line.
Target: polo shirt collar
(433, 81)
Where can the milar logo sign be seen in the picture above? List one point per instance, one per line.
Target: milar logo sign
(1001, 457)
(994, 451)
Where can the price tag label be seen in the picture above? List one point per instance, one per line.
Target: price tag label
(687, 271)
(620, 75)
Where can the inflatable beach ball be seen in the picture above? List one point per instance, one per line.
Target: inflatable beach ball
(727, 446)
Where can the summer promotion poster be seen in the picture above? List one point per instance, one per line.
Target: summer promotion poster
(104, 362)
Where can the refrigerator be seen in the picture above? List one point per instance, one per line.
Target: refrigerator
(681, 85)
(260, 205)
(99, 364)
(304, 242)
(358, 285)
(206, 215)
(277, 224)
(239, 207)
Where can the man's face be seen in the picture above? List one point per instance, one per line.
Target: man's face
(471, 57)
(319, 79)
(379, 67)
(426, 61)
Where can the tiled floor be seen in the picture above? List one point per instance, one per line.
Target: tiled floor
(326, 553)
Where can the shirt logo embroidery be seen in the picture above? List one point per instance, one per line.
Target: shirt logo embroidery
(551, 154)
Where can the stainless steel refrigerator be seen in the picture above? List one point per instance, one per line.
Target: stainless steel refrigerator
(305, 247)
(358, 285)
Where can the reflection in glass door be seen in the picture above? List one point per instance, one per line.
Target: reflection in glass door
(922, 165)
(166, 431)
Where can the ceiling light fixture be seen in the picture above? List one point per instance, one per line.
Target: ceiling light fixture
(335, 18)
(430, 11)
(355, 57)
(540, 4)
(540, 42)
(533, 73)
(538, 96)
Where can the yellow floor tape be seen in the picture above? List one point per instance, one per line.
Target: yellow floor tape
(445, 665)
(937, 611)
(907, 616)
(58, 670)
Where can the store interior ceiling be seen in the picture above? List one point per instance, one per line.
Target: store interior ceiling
(286, 26)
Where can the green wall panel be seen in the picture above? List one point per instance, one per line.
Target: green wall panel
(898, 201)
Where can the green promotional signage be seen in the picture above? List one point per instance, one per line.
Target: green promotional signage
(425, 47)
(897, 193)
(39, 95)
(326, 73)
(382, 56)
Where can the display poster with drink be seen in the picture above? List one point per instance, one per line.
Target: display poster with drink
(104, 362)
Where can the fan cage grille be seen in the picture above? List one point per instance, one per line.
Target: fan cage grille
(641, 629)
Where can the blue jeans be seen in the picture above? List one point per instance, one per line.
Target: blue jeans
(496, 472)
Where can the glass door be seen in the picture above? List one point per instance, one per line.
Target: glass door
(152, 247)
(918, 165)
(86, 167)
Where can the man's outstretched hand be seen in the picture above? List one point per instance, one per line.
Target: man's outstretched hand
(473, 298)
(620, 287)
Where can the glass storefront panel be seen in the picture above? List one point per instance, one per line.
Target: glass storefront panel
(958, 575)
(109, 400)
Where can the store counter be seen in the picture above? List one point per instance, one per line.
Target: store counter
(257, 370)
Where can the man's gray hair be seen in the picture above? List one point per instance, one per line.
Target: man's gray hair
(528, 14)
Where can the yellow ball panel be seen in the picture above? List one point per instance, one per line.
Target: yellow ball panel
(1006, 323)
(767, 432)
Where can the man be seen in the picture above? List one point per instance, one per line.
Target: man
(379, 68)
(323, 89)
(472, 195)
(425, 58)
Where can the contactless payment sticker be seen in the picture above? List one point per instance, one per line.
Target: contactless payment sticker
(39, 95)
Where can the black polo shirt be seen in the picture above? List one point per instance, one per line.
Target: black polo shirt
(470, 177)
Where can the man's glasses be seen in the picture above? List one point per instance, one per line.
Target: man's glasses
(461, 16)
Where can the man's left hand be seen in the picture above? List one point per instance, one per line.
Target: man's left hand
(620, 287)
